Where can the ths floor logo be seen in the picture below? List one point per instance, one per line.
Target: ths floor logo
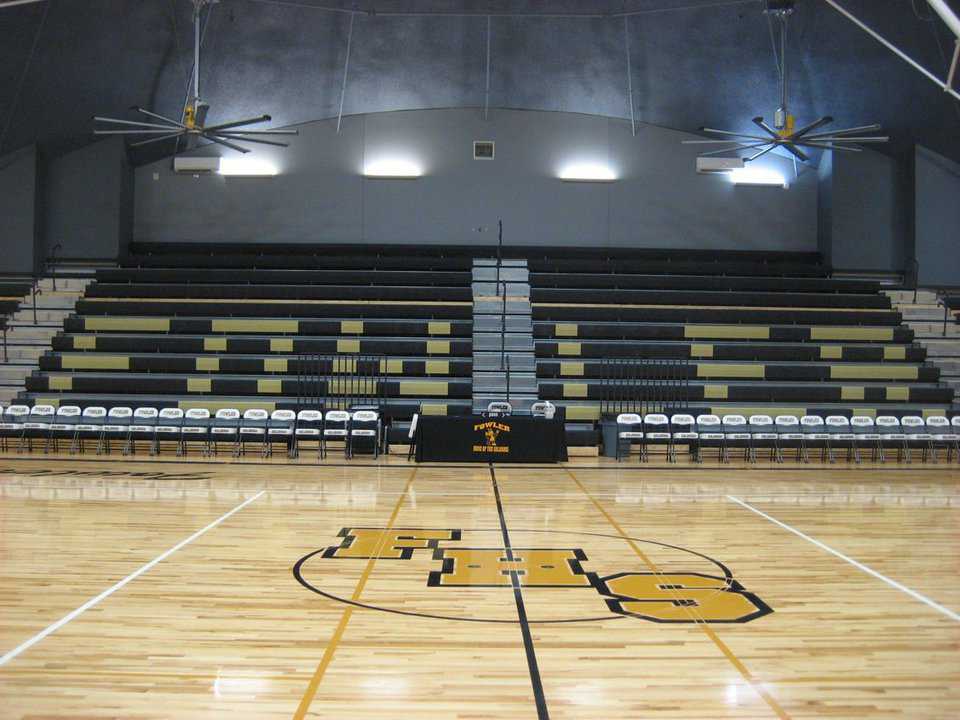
(443, 574)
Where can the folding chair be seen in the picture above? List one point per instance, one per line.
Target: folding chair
(225, 428)
(280, 429)
(64, 425)
(90, 427)
(762, 435)
(116, 427)
(684, 430)
(915, 430)
(865, 430)
(412, 437)
(196, 429)
(789, 435)
(364, 427)
(544, 409)
(36, 426)
(736, 434)
(12, 426)
(944, 436)
(143, 428)
(499, 408)
(815, 435)
(656, 431)
(890, 435)
(629, 429)
(169, 429)
(309, 427)
(335, 424)
(253, 429)
(711, 435)
(840, 436)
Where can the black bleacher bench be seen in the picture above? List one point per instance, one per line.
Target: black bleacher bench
(188, 291)
(805, 352)
(609, 296)
(232, 276)
(734, 315)
(678, 267)
(306, 327)
(621, 281)
(235, 309)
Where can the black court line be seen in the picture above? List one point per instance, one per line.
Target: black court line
(538, 696)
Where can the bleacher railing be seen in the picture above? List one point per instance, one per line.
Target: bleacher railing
(644, 386)
(341, 381)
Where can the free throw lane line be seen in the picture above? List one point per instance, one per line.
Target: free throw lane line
(112, 589)
(859, 565)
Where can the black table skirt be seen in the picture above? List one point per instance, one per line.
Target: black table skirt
(475, 438)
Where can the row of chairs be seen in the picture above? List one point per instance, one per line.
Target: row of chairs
(787, 432)
(124, 427)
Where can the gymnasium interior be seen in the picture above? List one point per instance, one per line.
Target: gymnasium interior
(480, 359)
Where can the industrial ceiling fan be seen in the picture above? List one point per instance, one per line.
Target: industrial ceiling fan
(784, 133)
(193, 125)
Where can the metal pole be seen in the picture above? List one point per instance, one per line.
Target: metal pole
(892, 48)
(5, 358)
(783, 64)
(486, 94)
(953, 65)
(626, 44)
(941, 8)
(503, 326)
(346, 68)
(33, 294)
(197, 6)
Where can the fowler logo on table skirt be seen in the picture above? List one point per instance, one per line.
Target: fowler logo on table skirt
(490, 442)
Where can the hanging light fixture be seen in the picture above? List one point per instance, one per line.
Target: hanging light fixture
(193, 126)
(784, 133)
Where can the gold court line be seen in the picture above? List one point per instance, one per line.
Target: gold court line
(722, 646)
(331, 648)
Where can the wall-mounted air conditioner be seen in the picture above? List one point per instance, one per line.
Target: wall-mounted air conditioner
(196, 165)
(716, 165)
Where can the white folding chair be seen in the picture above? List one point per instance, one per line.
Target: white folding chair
(12, 426)
(64, 425)
(814, 433)
(309, 427)
(364, 427)
(943, 435)
(143, 428)
(656, 431)
(840, 434)
(116, 427)
(890, 435)
(335, 427)
(169, 429)
(917, 436)
(253, 429)
(499, 408)
(37, 426)
(735, 434)
(865, 430)
(762, 435)
(544, 409)
(789, 435)
(90, 427)
(196, 429)
(280, 429)
(225, 428)
(684, 430)
(710, 432)
(629, 429)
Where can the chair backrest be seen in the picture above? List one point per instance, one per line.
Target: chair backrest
(120, 413)
(68, 411)
(679, 420)
(955, 421)
(656, 419)
(309, 416)
(227, 415)
(17, 411)
(734, 420)
(365, 416)
(543, 408)
(413, 426)
(837, 421)
(168, 415)
(789, 422)
(888, 422)
(94, 413)
(708, 421)
(499, 408)
(337, 416)
(938, 421)
(862, 421)
(145, 413)
(197, 414)
(283, 417)
(811, 421)
(629, 419)
(913, 422)
(46, 411)
(255, 415)
(761, 421)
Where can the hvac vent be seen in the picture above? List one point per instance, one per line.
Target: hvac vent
(714, 165)
(483, 149)
(196, 165)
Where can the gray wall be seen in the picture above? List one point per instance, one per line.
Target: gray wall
(88, 202)
(937, 219)
(864, 212)
(19, 216)
(321, 195)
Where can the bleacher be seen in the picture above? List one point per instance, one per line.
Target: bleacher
(211, 326)
(759, 333)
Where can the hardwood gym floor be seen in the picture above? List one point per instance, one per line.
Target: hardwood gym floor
(169, 590)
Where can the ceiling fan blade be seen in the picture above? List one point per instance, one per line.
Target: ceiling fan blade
(717, 142)
(156, 139)
(758, 121)
(136, 123)
(844, 139)
(135, 132)
(825, 120)
(833, 147)
(238, 123)
(795, 151)
(759, 154)
(257, 132)
(157, 116)
(225, 143)
(737, 148)
(253, 140)
(852, 131)
(734, 134)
